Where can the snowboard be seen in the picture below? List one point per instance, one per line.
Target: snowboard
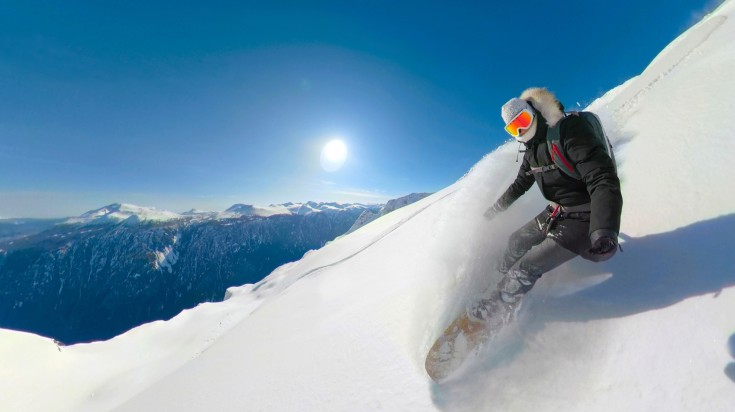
(472, 329)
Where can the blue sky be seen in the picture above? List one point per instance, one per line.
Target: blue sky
(184, 104)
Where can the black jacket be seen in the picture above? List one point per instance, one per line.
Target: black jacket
(600, 186)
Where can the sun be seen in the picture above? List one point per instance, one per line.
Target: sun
(334, 155)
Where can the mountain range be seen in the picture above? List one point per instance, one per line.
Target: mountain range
(94, 276)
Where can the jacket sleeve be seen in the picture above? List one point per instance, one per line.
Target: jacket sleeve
(517, 188)
(598, 174)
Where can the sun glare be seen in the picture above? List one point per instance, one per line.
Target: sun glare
(334, 155)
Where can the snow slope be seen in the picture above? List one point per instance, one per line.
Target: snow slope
(347, 327)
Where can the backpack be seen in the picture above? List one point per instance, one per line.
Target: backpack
(556, 150)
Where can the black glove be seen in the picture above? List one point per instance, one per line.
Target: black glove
(604, 245)
(492, 211)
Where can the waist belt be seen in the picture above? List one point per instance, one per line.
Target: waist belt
(584, 208)
(558, 212)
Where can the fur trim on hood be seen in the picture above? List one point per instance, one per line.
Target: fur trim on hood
(545, 102)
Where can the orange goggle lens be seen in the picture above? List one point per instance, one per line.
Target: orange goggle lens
(519, 123)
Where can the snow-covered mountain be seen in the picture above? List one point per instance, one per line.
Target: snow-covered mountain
(118, 212)
(250, 210)
(93, 277)
(347, 327)
(369, 215)
(296, 208)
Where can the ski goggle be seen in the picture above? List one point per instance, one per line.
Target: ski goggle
(520, 123)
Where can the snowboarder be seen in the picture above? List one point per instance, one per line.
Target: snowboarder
(583, 215)
(583, 218)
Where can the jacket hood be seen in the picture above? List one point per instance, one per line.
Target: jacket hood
(546, 103)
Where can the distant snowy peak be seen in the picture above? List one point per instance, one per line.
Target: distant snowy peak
(118, 212)
(394, 204)
(314, 207)
(252, 210)
(291, 208)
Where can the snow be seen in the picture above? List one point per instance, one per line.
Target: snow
(166, 259)
(290, 208)
(264, 211)
(132, 214)
(119, 212)
(347, 327)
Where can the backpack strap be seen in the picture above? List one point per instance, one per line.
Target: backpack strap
(556, 151)
(542, 169)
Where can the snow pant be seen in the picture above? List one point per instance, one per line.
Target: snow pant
(541, 245)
